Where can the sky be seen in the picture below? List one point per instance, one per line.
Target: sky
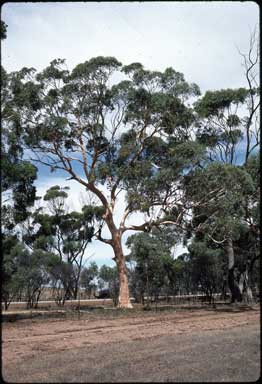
(199, 39)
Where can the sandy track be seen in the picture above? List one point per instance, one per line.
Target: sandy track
(26, 338)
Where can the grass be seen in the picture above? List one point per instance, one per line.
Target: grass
(109, 312)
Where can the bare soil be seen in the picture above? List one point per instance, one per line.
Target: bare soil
(187, 345)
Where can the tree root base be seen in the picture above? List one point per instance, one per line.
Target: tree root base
(125, 306)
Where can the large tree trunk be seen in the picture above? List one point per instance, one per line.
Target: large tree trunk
(244, 285)
(252, 284)
(232, 274)
(123, 298)
(239, 285)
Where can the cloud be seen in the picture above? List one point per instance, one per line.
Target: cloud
(196, 38)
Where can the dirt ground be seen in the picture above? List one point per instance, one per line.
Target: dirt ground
(186, 345)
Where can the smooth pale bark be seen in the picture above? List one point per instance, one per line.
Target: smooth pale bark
(244, 284)
(244, 287)
(232, 277)
(124, 296)
(252, 284)
(239, 286)
(116, 244)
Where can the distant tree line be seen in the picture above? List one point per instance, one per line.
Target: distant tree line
(152, 269)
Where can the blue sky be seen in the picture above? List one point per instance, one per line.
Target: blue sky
(199, 39)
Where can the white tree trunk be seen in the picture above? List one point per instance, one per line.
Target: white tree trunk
(124, 297)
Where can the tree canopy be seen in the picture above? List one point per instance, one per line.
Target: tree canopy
(148, 135)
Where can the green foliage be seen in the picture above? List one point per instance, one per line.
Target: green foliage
(74, 228)
(154, 266)
(88, 275)
(218, 193)
(253, 168)
(183, 277)
(208, 266)
(55, 192)
(65, 234)
(107, 273)
(215, 102)
(233, 121)
(108, 278)
(148, 99)
(221, 124)
(136, 136)
(91, 212)
(18, 175)
(96, 66)
(3, 30)
(24, 273)
(186, 155)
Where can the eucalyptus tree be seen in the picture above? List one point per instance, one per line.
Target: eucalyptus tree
(154, 265)
(252, 236)
(8, 291)
(64, 233)
(229, 118)
(87, 278)
(115, 130)
(24, 273)
(183, 275)
(18, 192)
(18, 175)
(229, 126)
(219, 212)
(108, 281)
(207, 267)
